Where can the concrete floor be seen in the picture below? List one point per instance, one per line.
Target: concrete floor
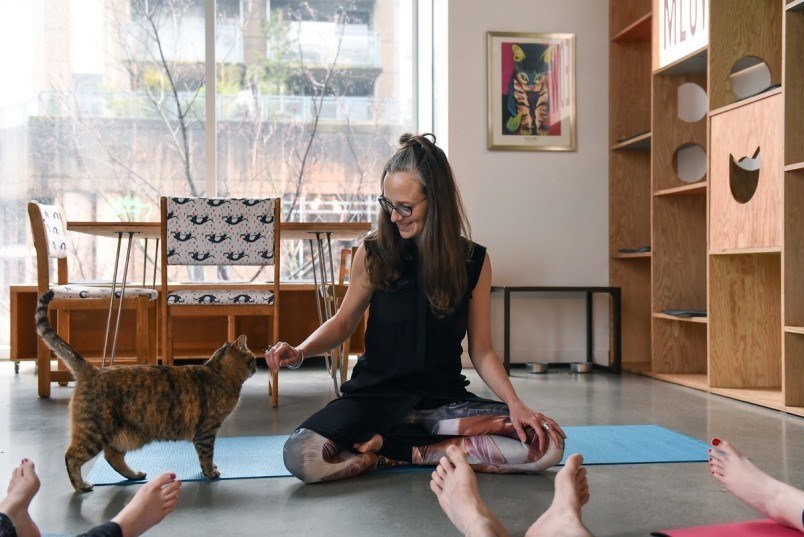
(626, 499)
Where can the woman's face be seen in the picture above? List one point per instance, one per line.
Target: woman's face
(403, 188)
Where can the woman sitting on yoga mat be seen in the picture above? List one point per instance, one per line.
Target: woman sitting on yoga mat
(428, 285)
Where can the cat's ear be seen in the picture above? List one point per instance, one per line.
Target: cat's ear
(240, 343)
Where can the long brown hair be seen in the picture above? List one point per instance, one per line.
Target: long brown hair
(442, 247)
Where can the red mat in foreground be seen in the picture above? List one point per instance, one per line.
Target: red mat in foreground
(753, 528)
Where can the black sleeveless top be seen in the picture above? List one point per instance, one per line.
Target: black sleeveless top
(409, 348)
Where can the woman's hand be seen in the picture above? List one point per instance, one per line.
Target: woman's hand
(282, 355)
(544, 428)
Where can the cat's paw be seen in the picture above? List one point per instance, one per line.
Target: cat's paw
(137, 476)
(213, 474)
(86, 486)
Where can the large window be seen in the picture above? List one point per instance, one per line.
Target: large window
(103, 110)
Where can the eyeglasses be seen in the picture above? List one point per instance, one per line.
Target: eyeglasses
(402, 209)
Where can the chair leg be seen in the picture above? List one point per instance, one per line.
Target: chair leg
(275, 384)
(142, 332)
(43, 367)
(153, 334)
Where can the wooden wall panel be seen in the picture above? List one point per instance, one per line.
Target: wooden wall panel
(739, 132)
(745, 321)
(678, 347)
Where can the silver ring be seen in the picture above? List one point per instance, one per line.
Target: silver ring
(546, 426)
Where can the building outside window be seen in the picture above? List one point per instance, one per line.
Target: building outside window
(106, 113)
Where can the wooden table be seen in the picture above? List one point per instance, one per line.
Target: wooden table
(318, 234)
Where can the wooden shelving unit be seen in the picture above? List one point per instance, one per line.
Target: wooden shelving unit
(630, 140)
(730, 242)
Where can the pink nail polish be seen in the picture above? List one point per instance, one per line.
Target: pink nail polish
(172, 476)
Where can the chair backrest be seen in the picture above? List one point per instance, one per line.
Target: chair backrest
(50, 241)
(220, 231)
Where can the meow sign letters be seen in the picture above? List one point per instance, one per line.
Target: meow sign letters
(683, 28)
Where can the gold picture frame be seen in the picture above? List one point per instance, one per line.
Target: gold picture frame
(531, 91)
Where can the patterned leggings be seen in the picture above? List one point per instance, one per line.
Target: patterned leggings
(482, 429)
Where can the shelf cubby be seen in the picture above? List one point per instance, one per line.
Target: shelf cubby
(745, 316)
(670, 132)
(739, 29)
(746, 205)
(678, 347)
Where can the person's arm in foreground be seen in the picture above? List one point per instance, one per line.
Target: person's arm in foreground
(488, 365)
(334, 331)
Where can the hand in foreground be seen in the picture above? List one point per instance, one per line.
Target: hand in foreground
(543, 427)
(282, 355)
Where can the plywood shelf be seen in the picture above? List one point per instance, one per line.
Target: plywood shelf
(697, 381)
(794, 329)
(798, 166)
(745, 102)
(796, 5)
(694, 189)
(640, 368)
(638, 31)
(767, 397)
(746, 251)
(641, 255)
(640, 142)
(692, 63)
(676, 318)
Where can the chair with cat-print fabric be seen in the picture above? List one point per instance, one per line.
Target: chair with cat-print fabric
(50, 243)
(220, 232)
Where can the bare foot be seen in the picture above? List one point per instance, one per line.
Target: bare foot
(455, 485)
(772, 498)
(372, 445)
(22, 488)
(149, 506)
(563, 517)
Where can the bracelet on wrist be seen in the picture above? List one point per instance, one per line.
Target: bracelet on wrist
(296, 366)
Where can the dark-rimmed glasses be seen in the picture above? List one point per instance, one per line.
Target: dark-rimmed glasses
(401, 209)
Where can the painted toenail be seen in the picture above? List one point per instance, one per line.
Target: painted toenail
(172, 476)
(716, 441)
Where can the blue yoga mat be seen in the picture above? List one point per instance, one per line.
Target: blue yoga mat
(247, 457)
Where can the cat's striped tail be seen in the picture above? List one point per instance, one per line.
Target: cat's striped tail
(74, 361)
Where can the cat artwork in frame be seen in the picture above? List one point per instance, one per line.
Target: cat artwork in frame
(531, 91)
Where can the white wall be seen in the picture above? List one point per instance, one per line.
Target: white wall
(543, 215)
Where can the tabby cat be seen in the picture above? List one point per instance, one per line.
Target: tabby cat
(118, 409)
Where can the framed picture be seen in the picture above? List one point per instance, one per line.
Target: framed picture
(531, 91)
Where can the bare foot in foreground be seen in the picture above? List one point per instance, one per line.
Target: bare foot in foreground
(150, 505)
(455, 485)
(779, 501)
(563, 517)
(22, 488)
